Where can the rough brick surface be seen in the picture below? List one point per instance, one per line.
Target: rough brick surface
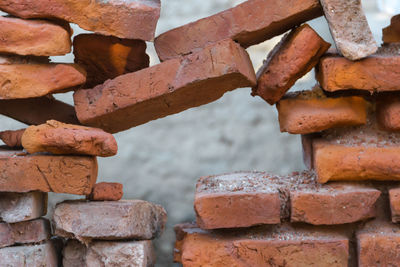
(18, 207)
(38, 110)
(296, 54)
(35, 79)
(107, 192)
(33, 37)
(60, 138)
(106, 57)
(33, 256)
(24, 232)
(168, 88)
(388, 113)
(391, 34)
(124, 19)
(272, 246)
(47, 173)
(268, 19)
(394, 197)
(115, 220)
(377, 73)
(106, 253)
(311, 111)
(12, 138)
(349, 28)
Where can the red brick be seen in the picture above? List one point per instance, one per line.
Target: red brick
(296, 54)
(349, 28)
(60, 138)
(311, 111)
(18, 207)
(165, 89)
(124, 19)
(388, 113)
(107, 192)
(12, 138)
(394, 197)
(106, 57)
(269, 18)
(391, 34)
(269, 246)
(46, 173)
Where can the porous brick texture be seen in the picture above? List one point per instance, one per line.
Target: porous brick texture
(18, 207)
(168, 88)
(394, 197)
(106, 192)
(296, 54)
(388, 113)
(124, 19)
(106, 57)
(60, 138)
(268, 19)
(115, 220)
(12, 138)
(391, 34)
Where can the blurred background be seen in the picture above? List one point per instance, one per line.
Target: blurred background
(162, 160)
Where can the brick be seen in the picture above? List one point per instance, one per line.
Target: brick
(311, 111)
(349, 28)
(60, 138)
(391, 34)
(12, 138)
(394, 197)
(269, 246)
(46, 173)
(107, 192)
(106, 57)
(377, 73)
(124, 19)
(18, 207)
(388, 113)
(116, 220)
(24, 232)
(33, 255)
(268, 19)
(106, 253)
(38, 110)
(34, 79)
(33, 37)
(296, 54)
(168, 88)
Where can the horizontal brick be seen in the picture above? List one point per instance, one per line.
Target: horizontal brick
(106, 57)
(391, 34)
(124, 19)
(60, 138)
(394, 197)
(12, 138)
(295, 55)
(106, 253)
(349, 28)
(46, 173)
(388, 113)
(377, 73)
(168, 88)
(38, 110)
(277, 246)
(115, 220)
(107, 192)
(24, 232)
(311, 111)
(18, 207)
(33, 37)
(35, 79)
(268, 19)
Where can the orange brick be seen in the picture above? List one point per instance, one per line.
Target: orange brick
(391, 34)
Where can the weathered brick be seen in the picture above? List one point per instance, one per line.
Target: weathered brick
(394, 197)
(296, 54)
(388, 113)
(60, 138)
(168, 88)
(12, 138)
(311, 111)
(21, 79)
(115, 220)
(349, 28)
(268, 18)
(46, 173)
(24, 232)
(107, 253)
(18, 207)
(124, 19)
(33, 37)
(377, 73)
(33, 255)
(106, 57)
(391, 34)
(38, 110)
(107, 192)
(268, 246)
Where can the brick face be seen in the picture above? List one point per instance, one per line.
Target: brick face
(391, 34)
